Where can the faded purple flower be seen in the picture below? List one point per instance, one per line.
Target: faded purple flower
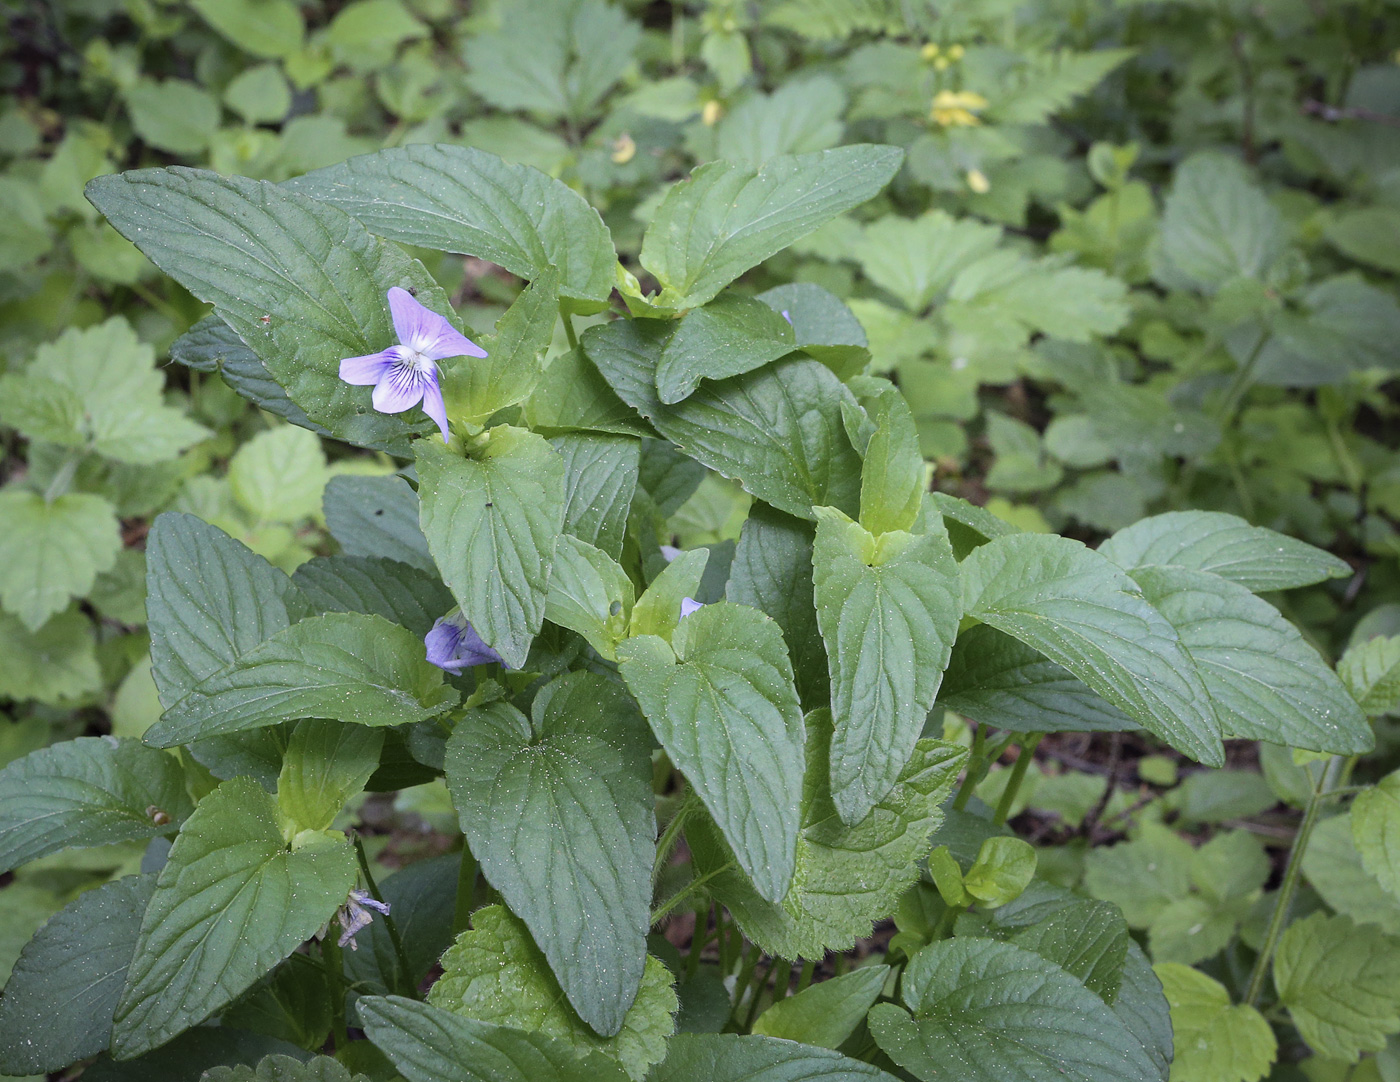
(787, 317)
(354, 916)
(405, 374)
(670, 552)
(454, 645)
(689, 605)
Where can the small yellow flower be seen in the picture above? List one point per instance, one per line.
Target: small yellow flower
(957, 108)
(942, 64)
(929, 51)
(978, 182)
(711, 113)
(624, 149)
(956, 52)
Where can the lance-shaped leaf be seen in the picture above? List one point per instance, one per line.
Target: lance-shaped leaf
(302, 283)
(776, 431)
(495, 973)
(400, 593)
(376, 516)
(985, 1011)
(600, 476)
(728, 1057)
(826, 330)
(1000, 681)
(58, 1003)
(231, 902)
(728, 217)
(1256, 558)
(428, 1044)
(892, 478)
(1266, 682)
(847, 877)
(325, 764)
(94, 790)
(826, 1013)
(590, 593)
(464, 200)
(721, 700)
(575, 861)
(731, 335)
(888, 608)
(1083, 612)
(347, 666)
(492, 523)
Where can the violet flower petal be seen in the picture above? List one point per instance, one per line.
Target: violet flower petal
(425, 331)
(398, 390)
(689, 605)
(368, 370)
(434, 406)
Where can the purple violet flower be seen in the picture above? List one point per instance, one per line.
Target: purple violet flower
(689, 605)
(405, 374)
(454, 645)
(354, 916)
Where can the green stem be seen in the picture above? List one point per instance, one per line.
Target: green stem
(1018, 775)
(672, 833)
(1240, 384)
(1289, 886)
(569, 330)
(410, 989)
(746, 975)
(782, 979)
(969, 783)
(466, 890)
(699, 940)
(63, 476)
(686, 891)
(804, 979)
(758, 987)
(333, 962)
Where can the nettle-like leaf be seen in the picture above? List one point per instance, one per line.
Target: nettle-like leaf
(301, 282)
(726, 1057)
(1375, 828)
(347, 666)
(721, 700)
(53, 550)
(1333, 866)
(1341, 985)
(1215, 1041)
(1082, 612)
(464, 200)
(495, 973)
(574, 859)
(59, 1000)
(728, 217)
(94, 790)
(1371, 672)
(846, 877)
(1258, 559)
(278, 1068)
(777, 431)
(56, 664)
(1265, 681)
(428, 1044)
(231, 902)
(888, 607)
(492, 523)
(984, 1009)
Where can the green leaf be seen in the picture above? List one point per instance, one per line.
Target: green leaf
(668, 476)
(1258, 559)
(1375, 828)
(347, 666)
(1023, 1015)
(1265, 681)
(229, 905)
(721, 700)
(1341, 985)
(1369, 235)
(173, 114)
(1334, 868)
(1216, 225)
(377, 516)
(728, 217)
(260, 95)
(1143, 876)
(293, 1005)
(399, 593)
(99, 387)
(575, 397)
(600, 476)
(777, 431)
(591, 594)
(475, 388)
(261, 27)
(727, 1057)
(57, 663)
(846, 876)
(1143, 1008)
(94, 790)
(731, 335)
(51, 551)
(826, 330)
(428, 1044)
(491, 524)
(918, 259)
(279, 475)
(495, 973)
(301, 282)
(1003, 869)
(799, 117)
(1215, 1042)
(969, 526)
(1088, 940)
(209, 600)
(278, 1068)
(1000, 681)
(325, 764)
(1371, 672)
(772, 572)
(1082, 612)
(459, 199)
(59, 1000)
(1048, 82)
(888, 609)
(892, 480)
(826, 1013)
(575, 862)
(658, 610)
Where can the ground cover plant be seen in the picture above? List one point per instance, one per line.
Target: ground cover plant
(819, 539)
